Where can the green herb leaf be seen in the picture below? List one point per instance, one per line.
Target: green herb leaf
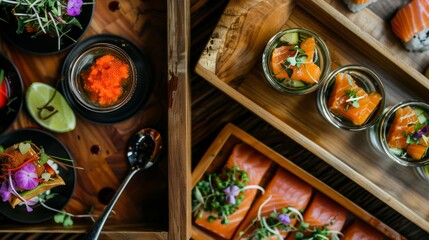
(24, 147)
(1, 149)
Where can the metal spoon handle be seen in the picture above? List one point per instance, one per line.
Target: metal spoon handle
(96, 228)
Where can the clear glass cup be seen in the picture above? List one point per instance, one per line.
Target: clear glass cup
(84, 61)
(379, 132)
(322, 58)
(364, 78)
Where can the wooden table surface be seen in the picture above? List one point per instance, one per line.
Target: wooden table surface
(144, 203)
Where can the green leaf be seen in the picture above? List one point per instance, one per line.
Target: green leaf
(43, 158)
(75, 22)
(24, 148)
(1, 76)
(67, 221)
(59, 218)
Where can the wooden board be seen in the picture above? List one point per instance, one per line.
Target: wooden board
(296, 116)
(218, 153)
(143, 208)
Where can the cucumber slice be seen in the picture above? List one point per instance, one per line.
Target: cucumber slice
(293, 83)
(421, 115)
(290, 38)
(396, 151)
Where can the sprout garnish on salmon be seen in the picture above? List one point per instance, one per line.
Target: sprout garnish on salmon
(308, 232)
(220, 194)
(294, 61)
(273, 224)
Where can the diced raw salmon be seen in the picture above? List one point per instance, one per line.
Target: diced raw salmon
(338, 101)
(322, 210)
(404, 121)
(359, 230)
(308, 71)
(256, 165)
(286, 190)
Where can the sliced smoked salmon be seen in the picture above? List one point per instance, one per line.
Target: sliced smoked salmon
(359, 230)
(350, 101)
(284, 190)
(255, 165)
(323, 211)
(411, 19)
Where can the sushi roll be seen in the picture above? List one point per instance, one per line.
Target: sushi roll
(358, 5)
(411, 25)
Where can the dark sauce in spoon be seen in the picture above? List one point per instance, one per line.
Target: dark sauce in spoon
(114, 6)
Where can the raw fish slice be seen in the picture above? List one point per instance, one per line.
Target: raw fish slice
(411, 25)
(359, 230)
(322, 210)
(256, 165)
(404, 121)
(286, 190)
(338, 101)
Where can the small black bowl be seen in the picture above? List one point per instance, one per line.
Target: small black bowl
(44, 44)
(8, 114)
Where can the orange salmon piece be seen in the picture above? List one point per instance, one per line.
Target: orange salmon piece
(404, 121)
(321, 211)
(411, 19)
(256, 165)
(359, 230)
(286, 190)
(307, 72)
(338, 101)
(416, 151)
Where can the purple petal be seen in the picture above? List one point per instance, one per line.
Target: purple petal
(227, 190)
(5, 191)
(424, 130)
(284, 218)
(26, 178)
(230, 199)
(235, 190)
(74, 7)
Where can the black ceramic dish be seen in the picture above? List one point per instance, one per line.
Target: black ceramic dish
(54, 148)
(144, 80)
(16, 93)
(44, 44)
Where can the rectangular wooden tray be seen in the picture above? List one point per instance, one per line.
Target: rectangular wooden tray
(231, 62)
(220, 150)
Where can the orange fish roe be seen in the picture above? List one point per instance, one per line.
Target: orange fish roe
(105, 79)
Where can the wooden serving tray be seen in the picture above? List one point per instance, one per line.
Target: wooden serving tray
(220, 150)
(231, 62)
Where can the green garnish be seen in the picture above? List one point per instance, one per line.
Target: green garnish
(353, 98)
(306, 232)
(220, 194)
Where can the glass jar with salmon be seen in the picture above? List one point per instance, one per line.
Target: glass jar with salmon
(296, 61)
(403, 133)
(103, 78)
(351, 98)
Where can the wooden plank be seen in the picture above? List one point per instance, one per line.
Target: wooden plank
(179, 112)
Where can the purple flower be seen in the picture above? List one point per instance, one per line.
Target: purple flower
(284, 218)
(231, 193)
(5, 191)
(74, 7)
(423, 131)
(26, 177)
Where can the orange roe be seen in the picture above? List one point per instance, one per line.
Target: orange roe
(105, 79)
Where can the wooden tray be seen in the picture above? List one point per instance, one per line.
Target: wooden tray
(219, 151)
(143, 209)
(231, 61)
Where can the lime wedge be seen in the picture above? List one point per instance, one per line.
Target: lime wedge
(37, 95)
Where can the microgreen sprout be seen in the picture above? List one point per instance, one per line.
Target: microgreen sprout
(308, 232)
(220, 194)
(263, 227)
(353, 98)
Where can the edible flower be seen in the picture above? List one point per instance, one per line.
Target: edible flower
(74, 7)
(284, 218)
(5, 191)
(26, 177)
(231, 193)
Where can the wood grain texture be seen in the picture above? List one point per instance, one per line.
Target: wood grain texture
(241, 28)
(364, 164)
(144, 201)
(179, 119)
(219, 151)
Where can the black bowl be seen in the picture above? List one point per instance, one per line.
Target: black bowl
(53, 147)
(44, 44)
(16, 93)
